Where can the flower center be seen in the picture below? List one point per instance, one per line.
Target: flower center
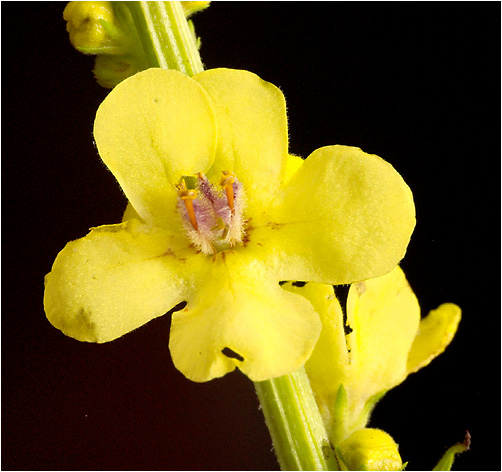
(212, 216)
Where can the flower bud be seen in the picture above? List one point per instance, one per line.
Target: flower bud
(93, 28)
(369, 449)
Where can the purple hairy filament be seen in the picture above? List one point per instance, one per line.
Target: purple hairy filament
(212, 216)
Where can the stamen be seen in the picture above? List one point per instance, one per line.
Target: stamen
(212, 218)
(227, 182)
(206, 188)
(188, 196)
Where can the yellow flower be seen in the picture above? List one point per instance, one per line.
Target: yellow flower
(385, 342)
(223, 214)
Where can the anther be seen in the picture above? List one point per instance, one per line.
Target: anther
(188, 196)
(227, 182)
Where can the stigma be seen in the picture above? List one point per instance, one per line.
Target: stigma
(212, 215)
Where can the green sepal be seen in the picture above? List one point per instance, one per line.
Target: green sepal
(337, 428)
(343, 423)
(446, 461)
(371, 403)
(115, 33)
(196, 38)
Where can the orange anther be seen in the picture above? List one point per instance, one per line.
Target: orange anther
(191, 213)
(188, 196)
(227, 182)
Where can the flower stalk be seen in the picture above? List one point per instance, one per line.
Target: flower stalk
(166, 37)
(288, 404)
(295, 423)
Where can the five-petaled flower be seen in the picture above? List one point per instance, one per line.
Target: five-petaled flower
(220, 214)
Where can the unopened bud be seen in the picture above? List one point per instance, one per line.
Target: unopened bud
(369, 449)
(93, 27)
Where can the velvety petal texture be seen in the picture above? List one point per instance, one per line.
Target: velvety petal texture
(384, 316)
(252, 127)
(113, 281)
(435, 332)
(344, 216)
(327, 365)
(383, 340)
(151, 130)
(241, 318)
(225, 240)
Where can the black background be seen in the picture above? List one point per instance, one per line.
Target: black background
(416, 83)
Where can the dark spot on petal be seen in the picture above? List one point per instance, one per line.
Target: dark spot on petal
(275, 225)
(282, 282)
(299, 284)
(361, 288)
(231, 354)
(83, 318)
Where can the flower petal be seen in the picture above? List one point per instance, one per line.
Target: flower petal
(293, 163)
(252, 128)
(345, 216)
(328, 362)
(151, 129)
(326, 365)
(241, 318)
(436, 331)
(384, 315)
(382, 320)
(114, 280)
(130, 214)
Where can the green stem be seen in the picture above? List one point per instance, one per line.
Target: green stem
(295, 424)
(291, 413)
(166, 37)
